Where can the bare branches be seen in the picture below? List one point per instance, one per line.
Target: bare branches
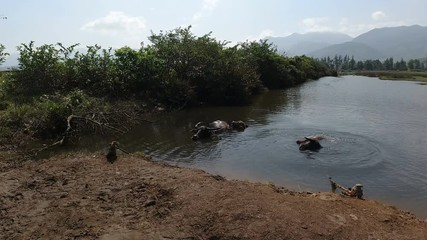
(95, 122)
(86, 120)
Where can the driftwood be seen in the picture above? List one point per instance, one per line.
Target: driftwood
(355, 191)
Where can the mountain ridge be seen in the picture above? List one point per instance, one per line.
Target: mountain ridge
(402, 42)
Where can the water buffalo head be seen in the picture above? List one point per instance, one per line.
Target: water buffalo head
(238, 125)
(202, 132)
(216, 127)
(311, 144)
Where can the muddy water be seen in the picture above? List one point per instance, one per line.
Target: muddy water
(376, 135)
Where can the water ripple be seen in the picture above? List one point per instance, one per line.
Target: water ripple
(349, 150)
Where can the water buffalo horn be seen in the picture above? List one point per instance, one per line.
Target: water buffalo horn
(213, 129)
(198, 124)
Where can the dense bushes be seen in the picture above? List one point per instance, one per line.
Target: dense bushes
(43, 117)
(175, 70)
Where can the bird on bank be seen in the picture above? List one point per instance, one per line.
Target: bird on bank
(112, 152)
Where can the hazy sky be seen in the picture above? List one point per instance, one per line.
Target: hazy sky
(128, 22)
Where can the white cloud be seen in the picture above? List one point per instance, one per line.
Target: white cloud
(197, 16)
(116, 23)
(316, 24)
(345, 26)
(210, 4)
(208, 7)
(266, 33)
(262, 35)
(378, 15)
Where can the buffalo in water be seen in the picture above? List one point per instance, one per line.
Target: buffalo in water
(203, 132)
(310, 143)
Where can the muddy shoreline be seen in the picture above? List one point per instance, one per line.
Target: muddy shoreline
(85, 197)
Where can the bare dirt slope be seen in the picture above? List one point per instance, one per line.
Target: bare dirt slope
(85, 197)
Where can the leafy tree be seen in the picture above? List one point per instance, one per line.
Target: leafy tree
(389, 64)
(38, 70)
(278, 71)
(200, 69)
(368, 65)
(352, 63)
(411, 64)
(96, 73)
(270, 65)
(401, 65)
(338, 62)
(138, 71)
(3, 54)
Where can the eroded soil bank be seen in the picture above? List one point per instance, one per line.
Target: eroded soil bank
(85, 197)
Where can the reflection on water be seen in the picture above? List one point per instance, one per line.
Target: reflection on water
(375, 134)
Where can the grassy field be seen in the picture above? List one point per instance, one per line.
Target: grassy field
(393, 75)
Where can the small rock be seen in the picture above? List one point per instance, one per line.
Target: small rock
(354, 217)
(218, 177)
(149, 202)
(65, 182)
(18, 196)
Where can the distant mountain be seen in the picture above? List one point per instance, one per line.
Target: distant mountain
(359, 51)
(302, 48)
(407, 42)
(299, 44)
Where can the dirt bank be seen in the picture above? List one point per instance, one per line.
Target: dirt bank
(85, 197)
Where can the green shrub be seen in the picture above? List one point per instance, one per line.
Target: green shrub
(176, 69)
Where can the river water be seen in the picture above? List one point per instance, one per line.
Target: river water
(375, 134)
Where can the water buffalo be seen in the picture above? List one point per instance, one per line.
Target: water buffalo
(238, 125)
(203, 132)
(310, 143)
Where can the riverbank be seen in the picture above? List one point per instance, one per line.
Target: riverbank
(85, 197)
(392, 75)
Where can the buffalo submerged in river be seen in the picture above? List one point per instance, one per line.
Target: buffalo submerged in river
(203, 132)
(310, 143)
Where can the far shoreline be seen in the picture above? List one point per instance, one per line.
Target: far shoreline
(391, 75)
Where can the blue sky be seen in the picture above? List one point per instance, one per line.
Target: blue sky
(114, 23)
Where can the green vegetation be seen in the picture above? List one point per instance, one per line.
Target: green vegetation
(412, 70)
(346, 64)
(3, 54)
(178, 69)
(394, 75)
